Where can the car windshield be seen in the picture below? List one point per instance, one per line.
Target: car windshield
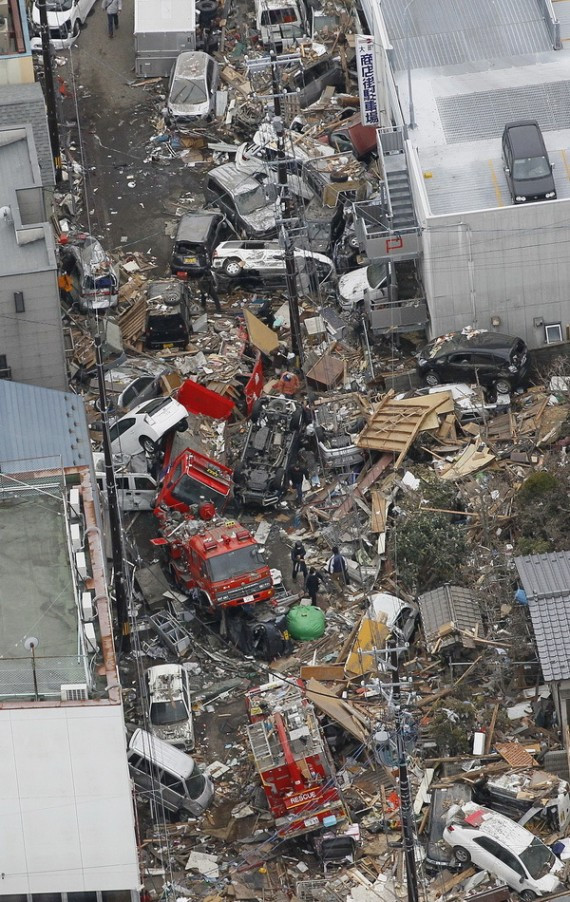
(531, 168)
(102, 283)
(195, 786)
(235, 563)
(251, 200)
(376, 274)
(186, 90)
(537, 859)
(189, 491)
(172, 711)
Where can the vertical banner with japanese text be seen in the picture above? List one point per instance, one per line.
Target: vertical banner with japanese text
(367, 87)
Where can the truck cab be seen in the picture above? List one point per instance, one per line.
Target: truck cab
(193, 478)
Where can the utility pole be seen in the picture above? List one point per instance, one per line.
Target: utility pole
(50, 92)
(117, 542)
(286, 213)
(406, 808)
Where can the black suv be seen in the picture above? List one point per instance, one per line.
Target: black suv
(196, 237)
(490, 359)
(168, 315)
(271, 445)
(527, 167)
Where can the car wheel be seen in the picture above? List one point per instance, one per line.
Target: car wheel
(277, 482)
(182, 426)
(77, 27)
(147, 444)
(232, 267)
(258, 406)
(461, 854)
(502, 386)
(432, 378)
(528, 896)
(297, 419)
(239, 475)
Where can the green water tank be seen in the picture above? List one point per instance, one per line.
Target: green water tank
(306, 622)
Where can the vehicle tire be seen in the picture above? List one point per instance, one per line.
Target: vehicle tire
(256, 410)
(147, 444)
(77, 28)
(320, 434)
(432, 378)
(502, 386)
(232, 267)
(239, 475)
(527, 895)
(277, 481)
(461, 855)
(297, 418)
(182, 426)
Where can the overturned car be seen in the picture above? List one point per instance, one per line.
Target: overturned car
(271, 445)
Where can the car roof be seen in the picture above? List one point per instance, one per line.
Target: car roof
(391, 605)
(165, 680)
(498, 827)
(526, 137)
(162, 753)
(231, 178)
(195, 227)
(488, 341)
(191, 64)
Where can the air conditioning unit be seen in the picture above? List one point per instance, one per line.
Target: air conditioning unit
(81, 564)
(75, 503)
(76, 540)
(73, 692)
(87, 610)
(91, 646)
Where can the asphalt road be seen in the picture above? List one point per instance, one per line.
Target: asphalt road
(130, 202)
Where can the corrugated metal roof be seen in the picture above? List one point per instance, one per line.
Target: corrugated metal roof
(41, 424)
(448, 604)
(456, 32)
(546, 580)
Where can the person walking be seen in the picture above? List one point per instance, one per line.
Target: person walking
(298, 558)
(337, 567)
(312, 584)
(112, 8)
(296, 475)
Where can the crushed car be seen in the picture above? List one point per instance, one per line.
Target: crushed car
(271, 445)
(490, 359)
(262, 264)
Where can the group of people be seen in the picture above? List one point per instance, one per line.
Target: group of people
(336, 567)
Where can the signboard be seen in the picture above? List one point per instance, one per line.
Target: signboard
(301, 798)
(254, 385)
(367, 84)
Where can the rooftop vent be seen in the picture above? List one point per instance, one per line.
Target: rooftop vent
(74, 692)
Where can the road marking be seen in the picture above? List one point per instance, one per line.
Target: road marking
(496, 185)
(565, 161)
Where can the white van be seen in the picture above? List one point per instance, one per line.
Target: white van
(135, 491)
(279, 23)
(167, 775)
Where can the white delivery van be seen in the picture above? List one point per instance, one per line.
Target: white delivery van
(167, 775)
(280, 24)
(135, 491)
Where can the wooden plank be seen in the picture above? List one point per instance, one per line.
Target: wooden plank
(323, 672)
(378, 512)
(363, 484)
(515, 754)
(491, 730)
(444, 883)
(340, 711)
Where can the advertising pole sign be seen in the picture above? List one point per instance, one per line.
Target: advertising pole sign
(366, 68)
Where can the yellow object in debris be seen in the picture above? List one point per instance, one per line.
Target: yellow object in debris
(372, 634)
(428, 174)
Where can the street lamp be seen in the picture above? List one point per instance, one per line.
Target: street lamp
(412, 122)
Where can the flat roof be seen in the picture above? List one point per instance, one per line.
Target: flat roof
(475, 68)
(19, 170)
(37, 598)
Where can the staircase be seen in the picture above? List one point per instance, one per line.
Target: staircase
(403, 216)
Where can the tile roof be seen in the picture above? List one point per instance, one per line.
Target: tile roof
(445, 605)
(546, 580)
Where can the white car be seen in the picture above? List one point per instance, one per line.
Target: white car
(375, 281)
(396, 613)
(65, 20)
(498, 845)
(264, 262)
(193, 85)
(169, 704)
(144, 426)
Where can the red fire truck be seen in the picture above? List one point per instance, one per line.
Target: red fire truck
(191, 479)
(293, 760)
(221, 567)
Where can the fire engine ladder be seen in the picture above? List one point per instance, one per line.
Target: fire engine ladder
(259, 742)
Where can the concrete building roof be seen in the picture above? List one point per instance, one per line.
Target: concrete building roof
(545, 579)
(22, 104)
(474, 68)
(41, 427)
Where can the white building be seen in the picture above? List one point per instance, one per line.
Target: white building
(66, 808)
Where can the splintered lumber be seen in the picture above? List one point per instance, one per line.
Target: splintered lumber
(472, 459)
(393, 425)
(379, 509)
(323, 672)
(491, 730)
(515, 754)
(446, 883)
(363, 483)
(339, 710)
(132, 321)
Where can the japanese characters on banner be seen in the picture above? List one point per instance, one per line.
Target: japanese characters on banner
(367, 89)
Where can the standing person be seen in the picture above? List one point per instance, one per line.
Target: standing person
(208, 289)
(337, 566)
(298, 557)
(112, 8)
(312, 584)
(65, 287)
(296, 475)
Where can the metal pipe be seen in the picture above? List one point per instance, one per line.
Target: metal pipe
(411, 112)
